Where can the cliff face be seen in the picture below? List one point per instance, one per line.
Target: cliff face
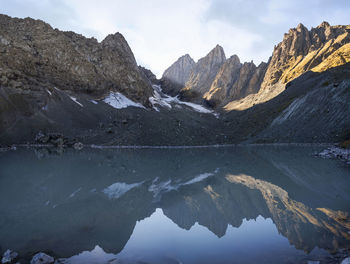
(235, 81)
(175, 77)
(204, 73)
(149, 75)
(34, 55)
(302, 50)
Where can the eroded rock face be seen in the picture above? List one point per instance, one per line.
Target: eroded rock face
(302, 50)
(149, 75)
(175, 77)
(235, 81)
(33, 55)
(204, 73)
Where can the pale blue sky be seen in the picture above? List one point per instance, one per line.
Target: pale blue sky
(160, 31)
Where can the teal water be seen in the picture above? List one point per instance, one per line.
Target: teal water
(212, 205)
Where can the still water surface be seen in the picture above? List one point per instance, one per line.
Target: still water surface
(212, 205)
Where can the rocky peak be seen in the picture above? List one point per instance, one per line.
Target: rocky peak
(324, 24)
(41, 56)
(234, 60)
(117, 41)
(302, 50)
(180, 70)
(216, 56)
(204, 73)
(149, 75)
(234, 81)
(175, 77)
(300, 27)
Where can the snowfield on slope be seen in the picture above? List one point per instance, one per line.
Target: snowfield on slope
(164, 100)
(119, 101)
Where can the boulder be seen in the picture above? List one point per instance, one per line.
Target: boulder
(9, 256)
(42, 258)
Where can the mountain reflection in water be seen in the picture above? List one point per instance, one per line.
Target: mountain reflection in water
(242, 204)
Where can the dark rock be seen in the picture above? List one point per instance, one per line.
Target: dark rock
(109, 130)
(42, 258)
(149, 75)
(9, 256)
(78, 146)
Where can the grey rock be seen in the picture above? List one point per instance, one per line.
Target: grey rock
(9, 256)
(235, 80)
(42, 258)
(204, 74)
(149, 75)
(175, 77)
(78, 146)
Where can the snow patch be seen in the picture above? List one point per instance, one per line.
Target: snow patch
(160, 188)
(158, 98)
(163, 187)
(93, 101)
(196, 107)
(75, 100)
(164, 100)
(116, 190)
(74, 193)
(119, 101)
(199, 178)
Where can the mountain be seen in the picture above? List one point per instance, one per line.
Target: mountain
(203, 74)
(235, 81)
(59, 88)
(300, 51)
(35, 57)
(175, 77)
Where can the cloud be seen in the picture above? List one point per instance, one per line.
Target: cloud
(159, 32)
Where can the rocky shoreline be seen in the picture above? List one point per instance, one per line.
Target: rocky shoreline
(336, 152)
(12, 257)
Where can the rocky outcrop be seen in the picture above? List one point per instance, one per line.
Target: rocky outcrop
(235, 81)
(33, 55)
(42, 258)
(302, 50)
(149, 75)
(175, 77)
(204, 74)
(9, 257)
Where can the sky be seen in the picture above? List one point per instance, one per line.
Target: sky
(160, 31)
